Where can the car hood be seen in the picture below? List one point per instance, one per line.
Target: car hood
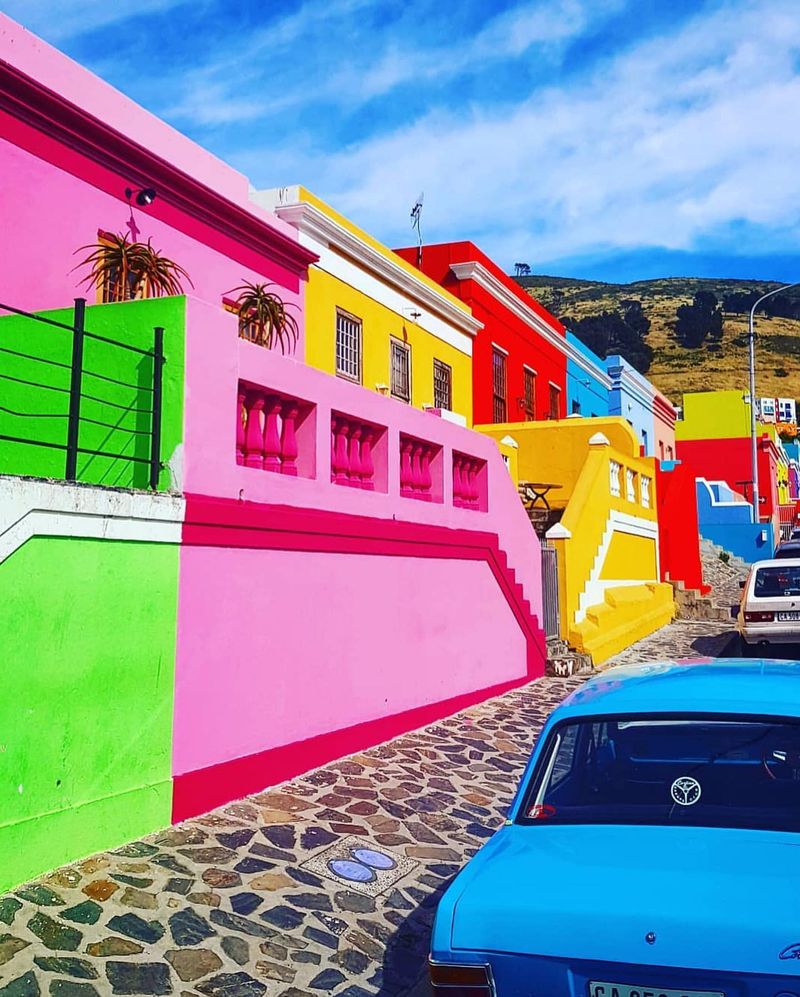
(716, 899)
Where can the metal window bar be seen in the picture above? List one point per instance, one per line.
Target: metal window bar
(500, 407)
(74, 416)
(442, 385)
(550, 602)
(348, 346)
(401, 371)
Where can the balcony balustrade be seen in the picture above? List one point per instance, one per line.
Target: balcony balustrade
(469, 484)
(353, 443)
(272, 432)
(420, 469)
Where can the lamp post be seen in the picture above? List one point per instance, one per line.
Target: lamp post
(753, 442)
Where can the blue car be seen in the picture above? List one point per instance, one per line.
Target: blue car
(652, 849)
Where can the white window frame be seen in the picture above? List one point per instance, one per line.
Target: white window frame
(357, 331)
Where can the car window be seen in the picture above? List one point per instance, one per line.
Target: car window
(774, 581)
(698, 771)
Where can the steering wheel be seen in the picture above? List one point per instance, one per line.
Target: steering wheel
(781, 761)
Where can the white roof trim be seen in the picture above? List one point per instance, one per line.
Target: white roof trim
(307, 218)
(486, 279)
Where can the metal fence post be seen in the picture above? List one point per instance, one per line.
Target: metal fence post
(155, 433)
(74, 423)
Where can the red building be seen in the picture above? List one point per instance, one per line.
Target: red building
(730, 460)
(519, 360)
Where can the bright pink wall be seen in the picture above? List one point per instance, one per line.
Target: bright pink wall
(53, 212)
(388, 634)
(215, 361)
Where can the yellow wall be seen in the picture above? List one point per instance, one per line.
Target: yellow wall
(556, 451)
(715, 415)
(630, 557)
(325, 294)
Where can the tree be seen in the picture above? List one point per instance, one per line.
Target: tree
(521, 270)
(700, 321)
(610, 333)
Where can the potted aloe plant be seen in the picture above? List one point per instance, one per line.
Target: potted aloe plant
(263, 317)
(125, 270)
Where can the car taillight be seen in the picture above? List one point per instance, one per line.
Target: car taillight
(452, 980)
(759, 617)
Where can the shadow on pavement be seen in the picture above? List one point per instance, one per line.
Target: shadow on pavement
(405, 964)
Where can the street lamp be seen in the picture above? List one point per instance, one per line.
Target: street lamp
(753, 443)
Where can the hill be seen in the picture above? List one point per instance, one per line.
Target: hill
(675, 368)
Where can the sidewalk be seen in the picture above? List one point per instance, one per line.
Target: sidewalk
(325, 885)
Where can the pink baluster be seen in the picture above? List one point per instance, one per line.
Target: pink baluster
(416, 469)
(272, 438)
(471, 482)
(367, 466)
(355, 456)
(289, 413)
(406, 476)
(241, 415)
(458, 484)
(254, 432)
(341, 465)
(426, 479)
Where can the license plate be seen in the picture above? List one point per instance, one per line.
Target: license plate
(787, 617)
(624, 990)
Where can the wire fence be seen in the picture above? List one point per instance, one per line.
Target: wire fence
(54, 400)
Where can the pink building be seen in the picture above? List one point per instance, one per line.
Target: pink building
(349, 567)
(70, 146)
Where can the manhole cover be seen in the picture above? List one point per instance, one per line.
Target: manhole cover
(359, 865)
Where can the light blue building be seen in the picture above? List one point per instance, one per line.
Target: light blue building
(632, 396)
(588, 382)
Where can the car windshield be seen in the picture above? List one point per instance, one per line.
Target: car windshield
(788, 550)
(698, 771)
(777, 580)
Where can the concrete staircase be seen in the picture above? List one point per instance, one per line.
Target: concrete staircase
(607, 628)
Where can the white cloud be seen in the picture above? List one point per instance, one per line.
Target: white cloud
(59, 20)
(670, 142)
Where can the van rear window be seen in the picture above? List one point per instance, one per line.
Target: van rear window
(776, 580)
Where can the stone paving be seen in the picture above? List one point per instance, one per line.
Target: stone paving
(325, 885)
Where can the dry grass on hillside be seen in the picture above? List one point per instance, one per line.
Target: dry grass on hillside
(676, 369)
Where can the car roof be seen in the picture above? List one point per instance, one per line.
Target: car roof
(790, 545)
(777, 562)
(703, 685)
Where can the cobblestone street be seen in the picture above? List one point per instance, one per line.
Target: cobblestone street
(327, 884)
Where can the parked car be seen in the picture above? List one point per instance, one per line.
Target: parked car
(788, 548)
(795, 534)
(769, 611)
(651, 848)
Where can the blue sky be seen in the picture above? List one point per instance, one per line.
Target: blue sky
(612, 139)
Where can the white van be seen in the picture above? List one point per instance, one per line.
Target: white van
(769, 612)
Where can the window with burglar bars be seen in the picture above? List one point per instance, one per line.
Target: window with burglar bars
(555, 402)
(530, 394)
(499, 406)
(348, 346)
(401, 370)
(442, 385)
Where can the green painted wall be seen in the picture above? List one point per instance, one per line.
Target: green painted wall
(87, 693)
(35, 361)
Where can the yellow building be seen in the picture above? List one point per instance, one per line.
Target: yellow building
(373, 318)
(606, 539)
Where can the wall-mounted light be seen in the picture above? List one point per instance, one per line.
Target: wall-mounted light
(144, 195)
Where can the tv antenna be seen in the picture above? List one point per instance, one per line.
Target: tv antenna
(416, 213)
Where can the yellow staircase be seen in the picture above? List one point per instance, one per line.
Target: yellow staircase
(627, 613)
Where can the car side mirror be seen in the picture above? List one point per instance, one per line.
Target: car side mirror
(741, 584)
